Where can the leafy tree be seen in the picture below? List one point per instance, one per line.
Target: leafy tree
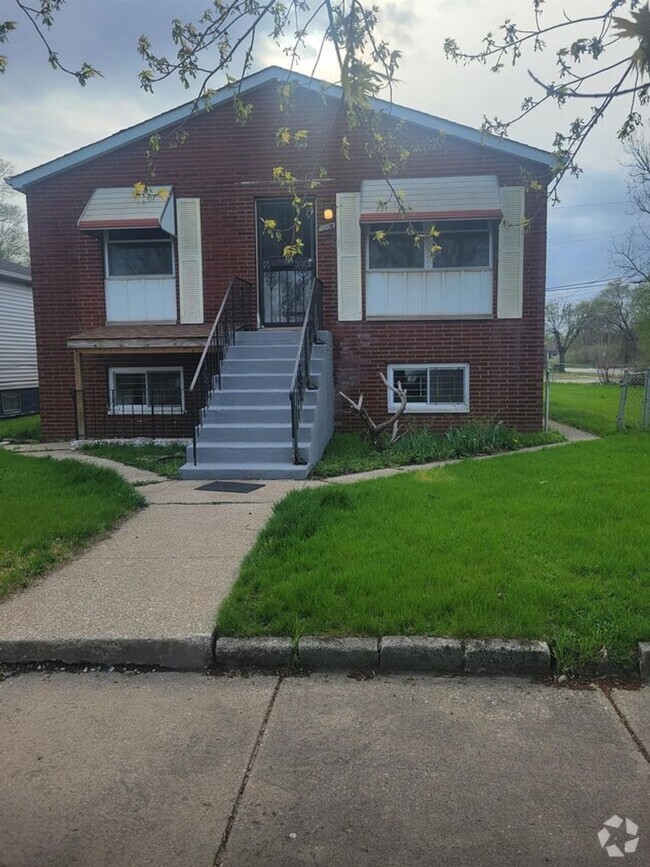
(13, 235)
(605, 59)
(564, 323)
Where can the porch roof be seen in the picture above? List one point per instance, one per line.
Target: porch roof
(141, 338)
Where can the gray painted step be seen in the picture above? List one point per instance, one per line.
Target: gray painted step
(282, 351)
(257, 415)
(244, 471)
(278, 397)
(217, 434)
(266, 337)
(246, 452)
(259, 365)
(232, 381)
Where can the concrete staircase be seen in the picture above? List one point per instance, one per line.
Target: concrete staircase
(246, 433)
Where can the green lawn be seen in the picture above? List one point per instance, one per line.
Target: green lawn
(25, 428)
(51, 509)
(590, 407)
(352, 453)
(549, 545)
(164, 460)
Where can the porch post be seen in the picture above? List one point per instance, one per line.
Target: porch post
(78, 394)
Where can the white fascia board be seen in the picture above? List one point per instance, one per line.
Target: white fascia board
(271, 73)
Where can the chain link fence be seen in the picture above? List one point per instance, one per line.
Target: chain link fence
(634, 403)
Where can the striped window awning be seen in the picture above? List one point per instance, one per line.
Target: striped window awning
(475, 197)
(122, 208)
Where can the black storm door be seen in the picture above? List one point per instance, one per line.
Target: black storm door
(284, 283)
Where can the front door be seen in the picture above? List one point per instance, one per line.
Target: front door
(284, 284)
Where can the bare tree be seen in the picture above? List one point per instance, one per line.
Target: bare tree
(374, 430)
(564, 323)
(631, 254)
(13, 234)
(624, 309)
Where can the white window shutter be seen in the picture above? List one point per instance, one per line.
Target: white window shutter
(190, 260)
(348, 249)
(510, 284)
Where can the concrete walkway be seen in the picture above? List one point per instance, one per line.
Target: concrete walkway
(109, 769)
(150, 586)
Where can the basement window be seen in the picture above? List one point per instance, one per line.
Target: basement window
(430, 387)
(135, 390)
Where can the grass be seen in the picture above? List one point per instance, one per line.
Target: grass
(550, 544)
(49, 510)
(25, 428)
(352, 453)
(590, 407)
(164, 460)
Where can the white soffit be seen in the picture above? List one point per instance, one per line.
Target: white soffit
(119, 208)
(458, 198)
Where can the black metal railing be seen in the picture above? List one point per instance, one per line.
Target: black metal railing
(235, 314)
(301, 380)
(112, 415)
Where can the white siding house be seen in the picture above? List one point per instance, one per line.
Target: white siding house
(18, 372)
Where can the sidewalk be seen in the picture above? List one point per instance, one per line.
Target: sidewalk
(107, 770)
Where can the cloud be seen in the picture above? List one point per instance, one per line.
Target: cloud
(44, 114)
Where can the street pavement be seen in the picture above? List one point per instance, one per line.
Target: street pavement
(109, 769)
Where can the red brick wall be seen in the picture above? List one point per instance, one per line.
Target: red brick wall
(228, 166)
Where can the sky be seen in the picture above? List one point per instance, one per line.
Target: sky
(44, 113)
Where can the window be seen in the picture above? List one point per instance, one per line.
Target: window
(139, 253)
(431, 388)
(396, 249)
(10, 404)
(139, 389)
(465, 244)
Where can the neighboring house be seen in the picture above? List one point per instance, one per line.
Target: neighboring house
(18, 373)
(128, 289)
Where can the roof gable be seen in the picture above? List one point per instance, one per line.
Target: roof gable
(275, 73)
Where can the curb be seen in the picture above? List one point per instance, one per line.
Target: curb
(187, 653)
(390, 654)
(393, 653)
(644, 660)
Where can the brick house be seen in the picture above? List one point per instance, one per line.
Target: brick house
(127, 290)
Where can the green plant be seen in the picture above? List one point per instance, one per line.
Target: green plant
(26, 428)
(351, 453)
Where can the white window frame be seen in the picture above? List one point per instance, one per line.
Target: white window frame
(135, 240)
(393, 403)
(128, 409)
(428, 256)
